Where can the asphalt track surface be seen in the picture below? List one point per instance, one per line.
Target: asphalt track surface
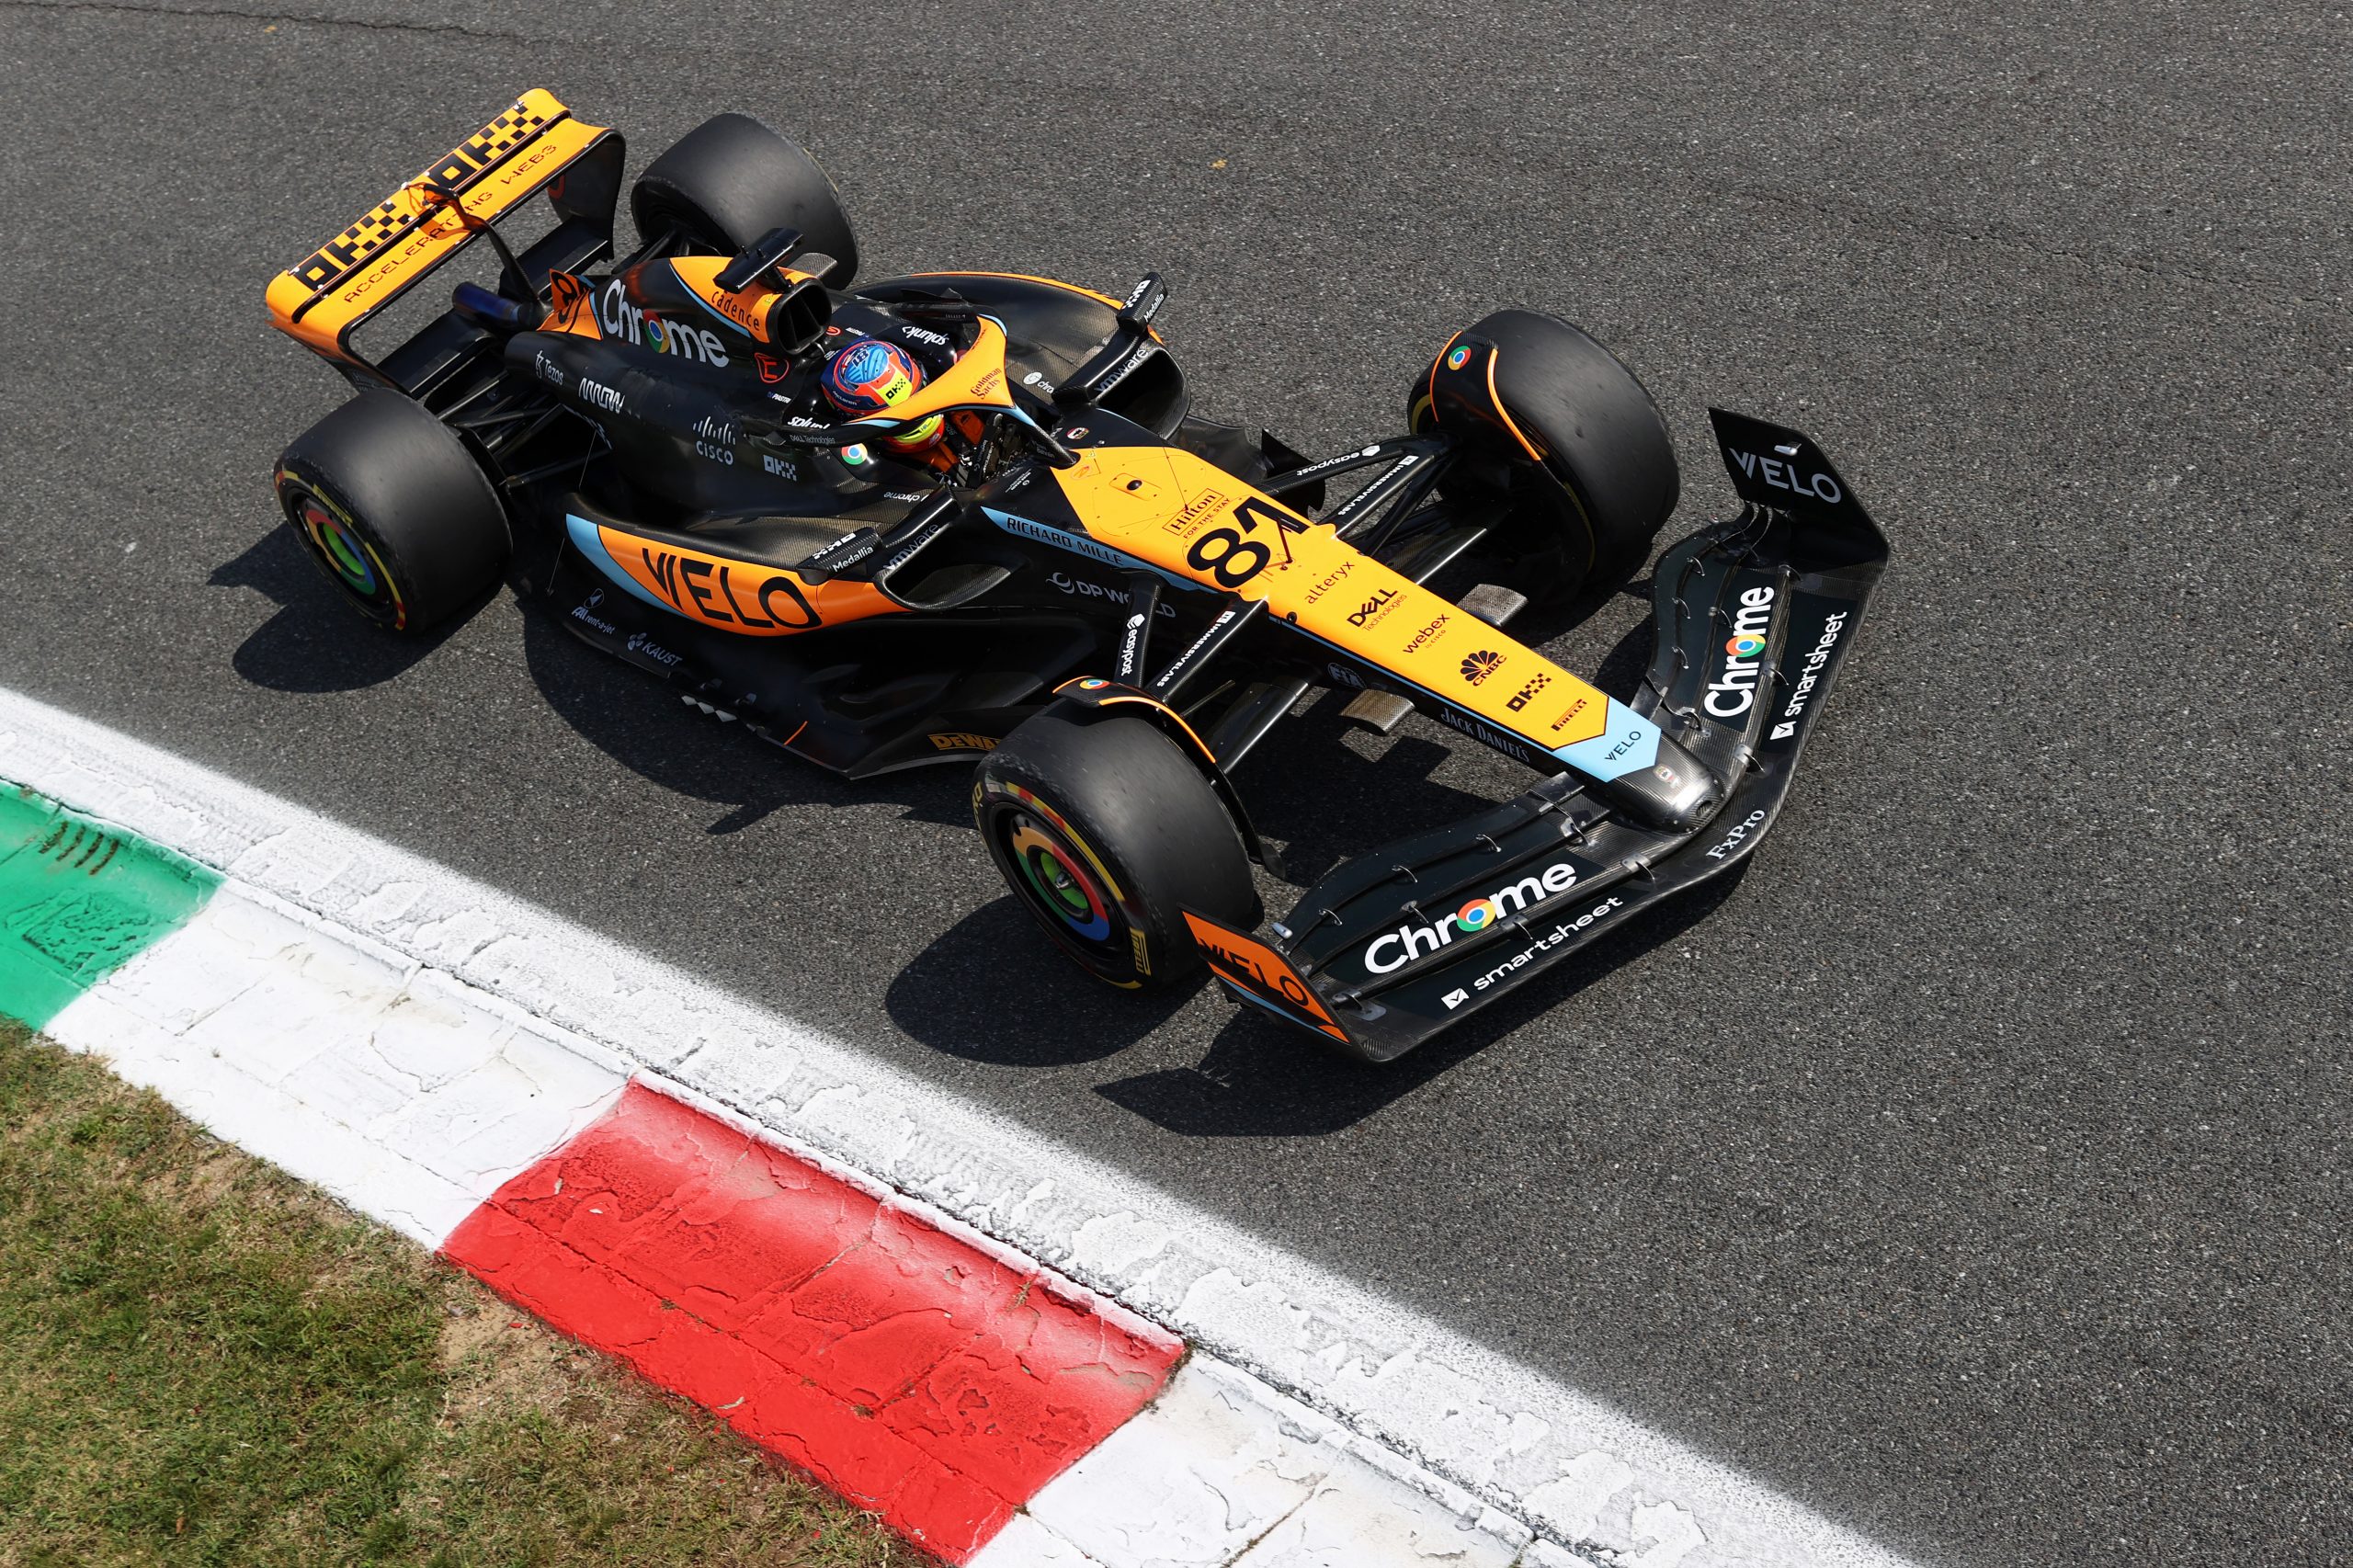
(1973, 1169)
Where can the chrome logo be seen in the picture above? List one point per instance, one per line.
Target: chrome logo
(1477, 915)
(1458, 358)
(1746, 646)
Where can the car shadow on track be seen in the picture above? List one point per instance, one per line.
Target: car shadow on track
(314, 642)
(1263, 1079)
(641, 723)
(979, 991)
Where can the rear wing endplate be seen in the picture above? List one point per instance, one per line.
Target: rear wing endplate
(535, 145)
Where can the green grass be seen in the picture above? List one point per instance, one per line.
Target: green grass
(204, 1361)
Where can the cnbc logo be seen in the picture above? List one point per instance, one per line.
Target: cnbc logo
(1481, 664)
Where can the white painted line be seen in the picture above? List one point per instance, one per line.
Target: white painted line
(1456, 1415)
(1223, 1469)
(404, 1094)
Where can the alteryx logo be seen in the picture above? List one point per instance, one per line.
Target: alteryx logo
(1395, 950)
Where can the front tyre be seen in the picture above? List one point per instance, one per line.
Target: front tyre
(1106, 833)
(393, 509)
(1578, 473)
(732, 180)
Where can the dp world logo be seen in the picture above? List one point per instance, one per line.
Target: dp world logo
(1481, 665)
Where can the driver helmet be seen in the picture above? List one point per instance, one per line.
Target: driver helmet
(868, 376)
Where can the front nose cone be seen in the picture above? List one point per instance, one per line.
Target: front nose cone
(1676, 792)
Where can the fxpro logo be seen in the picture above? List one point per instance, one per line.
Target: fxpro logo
(1732, 693)
(1409, 942)
(623, 320)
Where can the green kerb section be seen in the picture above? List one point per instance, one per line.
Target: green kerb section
(78, 900)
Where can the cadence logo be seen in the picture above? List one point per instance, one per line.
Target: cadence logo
(1732, 693)
(1410, 942)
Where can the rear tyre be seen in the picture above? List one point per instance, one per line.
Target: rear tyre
(394, 509)
(1580, 471)
(1107, 833)
(730, 180)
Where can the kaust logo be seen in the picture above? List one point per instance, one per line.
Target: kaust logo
(1394, 949)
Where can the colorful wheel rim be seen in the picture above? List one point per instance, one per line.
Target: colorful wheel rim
(348, 556)
(1059, 883)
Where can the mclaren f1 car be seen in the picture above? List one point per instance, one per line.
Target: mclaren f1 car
(1030, 551)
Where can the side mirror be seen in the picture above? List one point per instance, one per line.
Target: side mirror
(753, 262)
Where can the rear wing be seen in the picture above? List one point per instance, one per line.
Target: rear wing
(535, 145)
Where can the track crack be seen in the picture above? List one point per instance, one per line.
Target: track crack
(237, 13)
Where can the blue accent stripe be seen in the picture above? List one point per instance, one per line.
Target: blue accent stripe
(590, 543)
(1628, 744)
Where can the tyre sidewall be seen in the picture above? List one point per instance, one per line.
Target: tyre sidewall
(1140, 816)
(407, 493)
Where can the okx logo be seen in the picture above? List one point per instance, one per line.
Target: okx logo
(1526, 694)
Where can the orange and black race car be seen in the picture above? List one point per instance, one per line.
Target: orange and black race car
(1023, 547)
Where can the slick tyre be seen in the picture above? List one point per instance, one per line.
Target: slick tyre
(1106, 833)
(1580, 469)
(730, 180)
(394, 509)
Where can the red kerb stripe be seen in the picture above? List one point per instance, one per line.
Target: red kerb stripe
(912, 1371)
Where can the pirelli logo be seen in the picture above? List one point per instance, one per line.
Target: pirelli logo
(397, 213)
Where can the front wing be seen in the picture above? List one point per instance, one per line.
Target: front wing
(1756, 616)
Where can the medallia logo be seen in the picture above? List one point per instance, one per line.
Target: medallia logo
(1394, 949)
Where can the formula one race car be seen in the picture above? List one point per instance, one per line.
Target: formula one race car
(972, 514)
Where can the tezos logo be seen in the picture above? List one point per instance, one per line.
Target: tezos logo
(1526, 694)
(1373, 608)
(1478, 666)
(1732, 693)
(1409, 942)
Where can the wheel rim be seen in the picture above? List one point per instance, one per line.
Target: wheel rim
(1067, 887)
(349, 559)
(1058, 883)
